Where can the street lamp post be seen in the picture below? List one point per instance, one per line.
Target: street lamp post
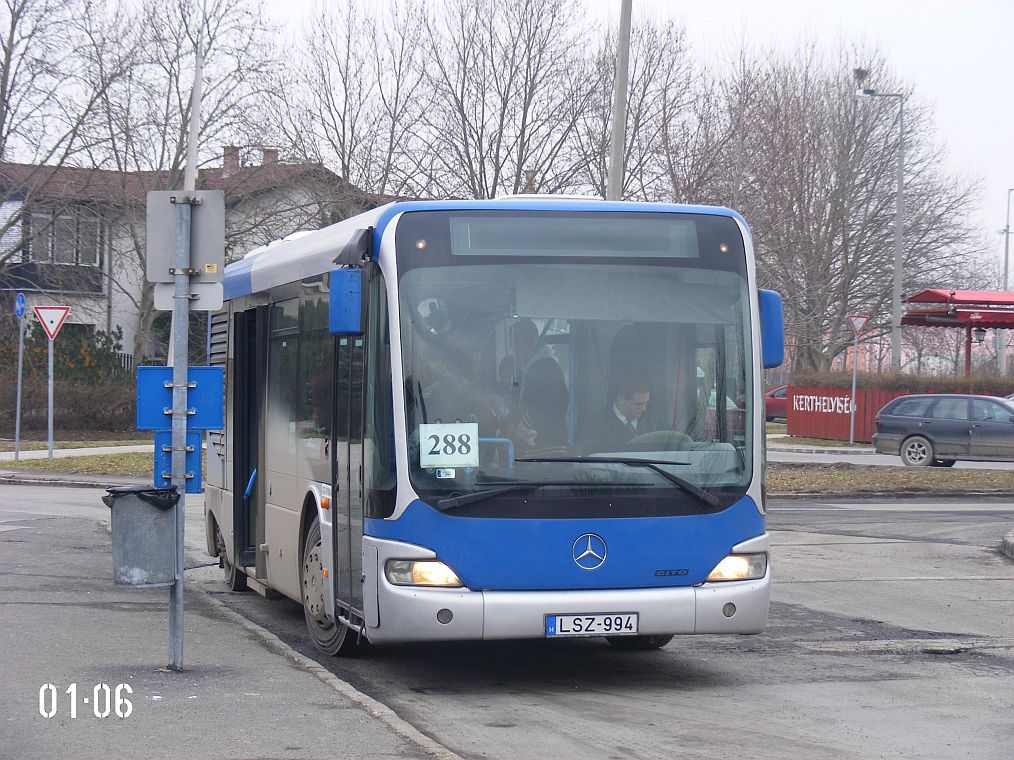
(1001, 347)
(899, 216)
(614, 181)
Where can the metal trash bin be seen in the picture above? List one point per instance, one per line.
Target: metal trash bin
(144, 535)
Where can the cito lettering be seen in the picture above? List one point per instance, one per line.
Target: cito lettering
(825, 404)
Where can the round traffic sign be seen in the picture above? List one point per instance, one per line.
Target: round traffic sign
(19, 305)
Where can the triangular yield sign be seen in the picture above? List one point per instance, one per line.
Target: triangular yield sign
(52, 318)
(858, 323)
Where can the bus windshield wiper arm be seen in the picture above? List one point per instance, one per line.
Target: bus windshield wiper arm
(453, 502)
(652, 464)
(506, 486)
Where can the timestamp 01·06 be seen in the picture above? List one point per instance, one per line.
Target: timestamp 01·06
(103, 699)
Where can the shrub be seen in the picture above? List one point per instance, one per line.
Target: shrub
(986, 385)
(91, 390)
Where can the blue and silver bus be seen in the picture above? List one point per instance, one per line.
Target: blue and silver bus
(528, 417)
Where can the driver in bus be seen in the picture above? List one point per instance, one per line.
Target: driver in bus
(622, 419)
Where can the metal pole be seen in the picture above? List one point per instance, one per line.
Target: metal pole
(17, 413)
(1001, 348)
(899, 217)
(852, 399)
(968, 350)
(181, 314)
(614, 186)
(193, 134)
(49, 424)
(180, 352)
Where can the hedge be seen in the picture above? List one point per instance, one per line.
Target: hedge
(986, 385)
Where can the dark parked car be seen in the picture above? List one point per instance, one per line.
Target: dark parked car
(937, 430)
(776, 403)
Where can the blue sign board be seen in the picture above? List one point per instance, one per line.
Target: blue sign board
(164, 459)
(205, 399)
(19, 306)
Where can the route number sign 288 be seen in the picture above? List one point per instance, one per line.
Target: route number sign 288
(453, 444)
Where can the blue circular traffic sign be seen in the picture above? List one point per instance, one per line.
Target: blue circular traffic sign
(19, 305)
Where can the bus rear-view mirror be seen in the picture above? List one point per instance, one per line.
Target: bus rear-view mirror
(345, 309)
(772, 328)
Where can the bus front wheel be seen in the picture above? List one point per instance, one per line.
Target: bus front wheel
(330, 637)
(631, 643)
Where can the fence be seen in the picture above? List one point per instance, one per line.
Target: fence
(816, 412)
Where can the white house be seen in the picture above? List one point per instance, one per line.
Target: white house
(74, 236)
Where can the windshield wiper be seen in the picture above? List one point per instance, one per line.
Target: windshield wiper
(506, 486)
(652, 464)
(453, 502)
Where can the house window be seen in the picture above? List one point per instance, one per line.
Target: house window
(39, 248)
(64, 240)
(69, 237)
(12, 241)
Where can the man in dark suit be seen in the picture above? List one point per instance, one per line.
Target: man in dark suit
(620, 421)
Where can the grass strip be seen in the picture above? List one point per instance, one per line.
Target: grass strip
(841, 479)
(43, 445)
(140, 465)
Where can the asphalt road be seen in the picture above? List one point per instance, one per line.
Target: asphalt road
(889, 636)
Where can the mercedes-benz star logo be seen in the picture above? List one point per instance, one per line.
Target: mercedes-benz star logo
(589, 551)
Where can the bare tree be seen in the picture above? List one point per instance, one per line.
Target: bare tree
(818, 189)
(143, 132)
(508, 90)
(358, 93)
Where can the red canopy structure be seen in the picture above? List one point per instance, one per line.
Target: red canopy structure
(969, 310)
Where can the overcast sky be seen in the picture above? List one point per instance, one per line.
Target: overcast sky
(959, 56)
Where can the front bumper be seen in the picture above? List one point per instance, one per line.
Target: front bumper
(409, 613)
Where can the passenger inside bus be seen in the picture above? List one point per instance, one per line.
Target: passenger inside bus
(542, 390)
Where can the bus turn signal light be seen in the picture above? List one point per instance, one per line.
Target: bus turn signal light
(740, 567)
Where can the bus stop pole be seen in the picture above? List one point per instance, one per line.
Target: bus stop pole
(852, 398)
(49, 402)
(181, 355)
(181, 348)
(21, 364)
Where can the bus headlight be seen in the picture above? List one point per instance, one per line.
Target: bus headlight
(420, 572)
(740, 567)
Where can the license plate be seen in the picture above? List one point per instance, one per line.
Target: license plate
(592, 624)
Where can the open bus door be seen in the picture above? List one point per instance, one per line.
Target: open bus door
(347, 489)
(251, 332)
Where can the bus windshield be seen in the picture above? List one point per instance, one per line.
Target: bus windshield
(548, 351)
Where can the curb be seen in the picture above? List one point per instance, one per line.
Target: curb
(371, 706)
(822, 450)
(869, 495)
(1007, 545)
(12, 477)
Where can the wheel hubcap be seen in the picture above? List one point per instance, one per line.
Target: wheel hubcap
(313, 584)
(916, 452)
